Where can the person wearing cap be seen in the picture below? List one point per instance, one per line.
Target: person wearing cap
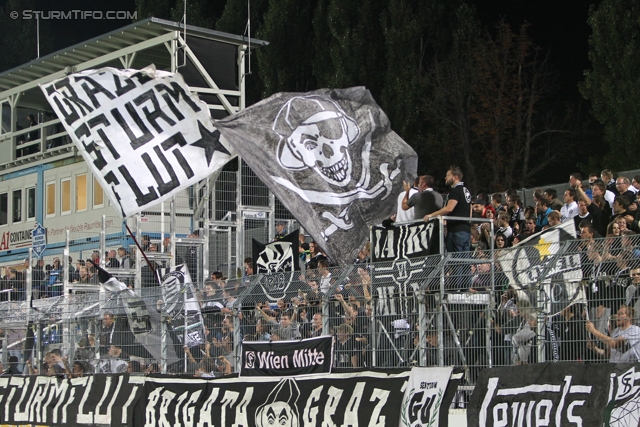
(426, 201)
(477, 208)
(280, 230)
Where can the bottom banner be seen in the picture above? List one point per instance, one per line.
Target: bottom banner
(394, 397)
(427, 397)
(557, 394)
(350, 399)
(52, 401)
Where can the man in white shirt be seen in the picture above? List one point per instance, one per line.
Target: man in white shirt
(624, 342)
(570, 207)
(503, 225)
(401, 214)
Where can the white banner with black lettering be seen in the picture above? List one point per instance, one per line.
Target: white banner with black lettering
(142, 132)
(424, 396)
(286, 358)
(354, 399)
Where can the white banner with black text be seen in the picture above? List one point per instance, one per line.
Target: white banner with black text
(424, 397)
(144, 135)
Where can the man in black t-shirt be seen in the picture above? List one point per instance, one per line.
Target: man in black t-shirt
(458, 204)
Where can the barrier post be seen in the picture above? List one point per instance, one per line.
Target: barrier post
(29, 287)
(489, 308)
(440, 325)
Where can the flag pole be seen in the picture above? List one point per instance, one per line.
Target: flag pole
(140, 248)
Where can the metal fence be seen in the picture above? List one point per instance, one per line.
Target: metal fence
(462, 310)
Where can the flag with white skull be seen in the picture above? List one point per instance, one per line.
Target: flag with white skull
(331, 158)
(277, 261)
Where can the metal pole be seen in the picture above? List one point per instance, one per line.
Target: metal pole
(272, 219)
(66, 325)
(138, 279)
(422, 313)
(65, 264)
(184, 333)
(163, 343)
(162, 226)
(372, 321)
(441, 299)
(239, 220)
(207, 232)
(29, 288)
(489, 311)
(172, 225)
(229, 252)
(103, 248)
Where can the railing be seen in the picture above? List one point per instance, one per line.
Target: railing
(462, 310)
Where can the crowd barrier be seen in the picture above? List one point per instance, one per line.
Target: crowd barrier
(461, 310)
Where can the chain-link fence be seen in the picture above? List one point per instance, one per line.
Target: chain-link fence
(558, 302)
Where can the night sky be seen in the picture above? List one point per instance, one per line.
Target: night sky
(559, 26)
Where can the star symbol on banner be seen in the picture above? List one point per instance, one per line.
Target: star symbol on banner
(543, 247)
(209, 142)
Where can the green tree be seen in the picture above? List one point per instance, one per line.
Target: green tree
(612, 84)
(234, 20)
(157, 8)
(448, 100)
(285, 64)
(355, 46)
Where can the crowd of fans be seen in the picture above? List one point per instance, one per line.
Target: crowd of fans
(376, 322)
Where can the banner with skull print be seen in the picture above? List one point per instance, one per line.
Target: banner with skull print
(362, 398)
(330, 156)
(144, 135)
(276, 260)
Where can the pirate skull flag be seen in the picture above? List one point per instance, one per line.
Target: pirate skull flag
(276, 260)
(142, 133)
(330, 157)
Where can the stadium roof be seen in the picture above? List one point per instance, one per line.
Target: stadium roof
(153, 32)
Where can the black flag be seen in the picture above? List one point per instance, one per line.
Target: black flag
(277, 260)
(331, 158)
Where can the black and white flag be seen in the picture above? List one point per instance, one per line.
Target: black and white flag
(425, 397)
(144, 135)
(547, 259)
(400, 253)
(277, 261)
(180, 302)
(142, 317)
(330, 157)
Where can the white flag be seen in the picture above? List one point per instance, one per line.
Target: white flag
(142, 132)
